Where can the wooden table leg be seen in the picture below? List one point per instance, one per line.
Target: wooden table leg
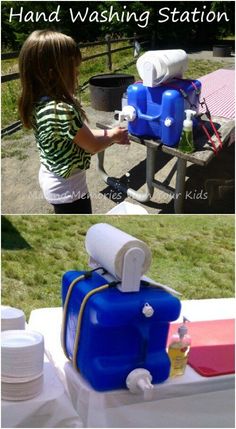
(180, 186)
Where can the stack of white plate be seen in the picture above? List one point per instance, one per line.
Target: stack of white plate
(12, 318)
(22, 364)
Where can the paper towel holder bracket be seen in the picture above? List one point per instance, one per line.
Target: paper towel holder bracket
(131, 270)
(149, 75)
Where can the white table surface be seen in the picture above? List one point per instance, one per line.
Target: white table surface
(187, 401)
(52, 408)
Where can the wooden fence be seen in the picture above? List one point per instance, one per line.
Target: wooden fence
(10, 129)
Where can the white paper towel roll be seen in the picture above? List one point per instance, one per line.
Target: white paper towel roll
(107, 245)
(163, 65)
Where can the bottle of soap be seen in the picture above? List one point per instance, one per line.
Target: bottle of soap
(178, 350)
(186, 140)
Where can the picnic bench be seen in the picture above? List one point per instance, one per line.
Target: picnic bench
(218, 89)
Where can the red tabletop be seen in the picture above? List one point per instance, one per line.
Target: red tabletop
(218, 88)
(212, 349)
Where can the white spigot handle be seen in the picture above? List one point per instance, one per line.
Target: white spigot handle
(128, 113)
(121, 117)
(139, 380)
(145, 384)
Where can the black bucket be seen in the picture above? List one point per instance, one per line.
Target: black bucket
(106, 90)
(221, 51)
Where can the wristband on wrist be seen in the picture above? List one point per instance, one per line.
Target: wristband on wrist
(106, 135)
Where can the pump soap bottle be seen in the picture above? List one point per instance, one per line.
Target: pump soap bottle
(186, 139)
(178, 350)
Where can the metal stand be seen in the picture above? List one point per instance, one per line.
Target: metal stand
(151, 183)
(202, 156)
(142, 197)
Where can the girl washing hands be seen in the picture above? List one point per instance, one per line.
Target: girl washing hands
(48, 64)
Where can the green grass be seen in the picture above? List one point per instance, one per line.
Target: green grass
(10, 93)
(194, 254)
(198, 68)
(122, 61)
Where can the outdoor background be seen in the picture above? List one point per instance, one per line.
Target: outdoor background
(168, 33)
(186, 35)
(192, 254)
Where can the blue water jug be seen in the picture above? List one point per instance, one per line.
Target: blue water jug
(160, 110)
(116, 334)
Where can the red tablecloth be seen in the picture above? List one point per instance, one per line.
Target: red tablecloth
(218, 88)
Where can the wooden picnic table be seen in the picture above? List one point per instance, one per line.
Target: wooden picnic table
(203, 154)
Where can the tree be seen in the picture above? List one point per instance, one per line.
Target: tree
(169, 34)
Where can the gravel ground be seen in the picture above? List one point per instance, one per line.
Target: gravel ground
(208, 55)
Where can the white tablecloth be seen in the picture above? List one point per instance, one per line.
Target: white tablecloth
(187, 401)
(52, 408)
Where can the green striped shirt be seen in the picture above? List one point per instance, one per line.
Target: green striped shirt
(55, 126)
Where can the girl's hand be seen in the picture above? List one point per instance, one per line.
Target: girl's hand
(119, 135)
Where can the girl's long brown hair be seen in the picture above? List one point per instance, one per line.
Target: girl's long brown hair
(47, 66)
